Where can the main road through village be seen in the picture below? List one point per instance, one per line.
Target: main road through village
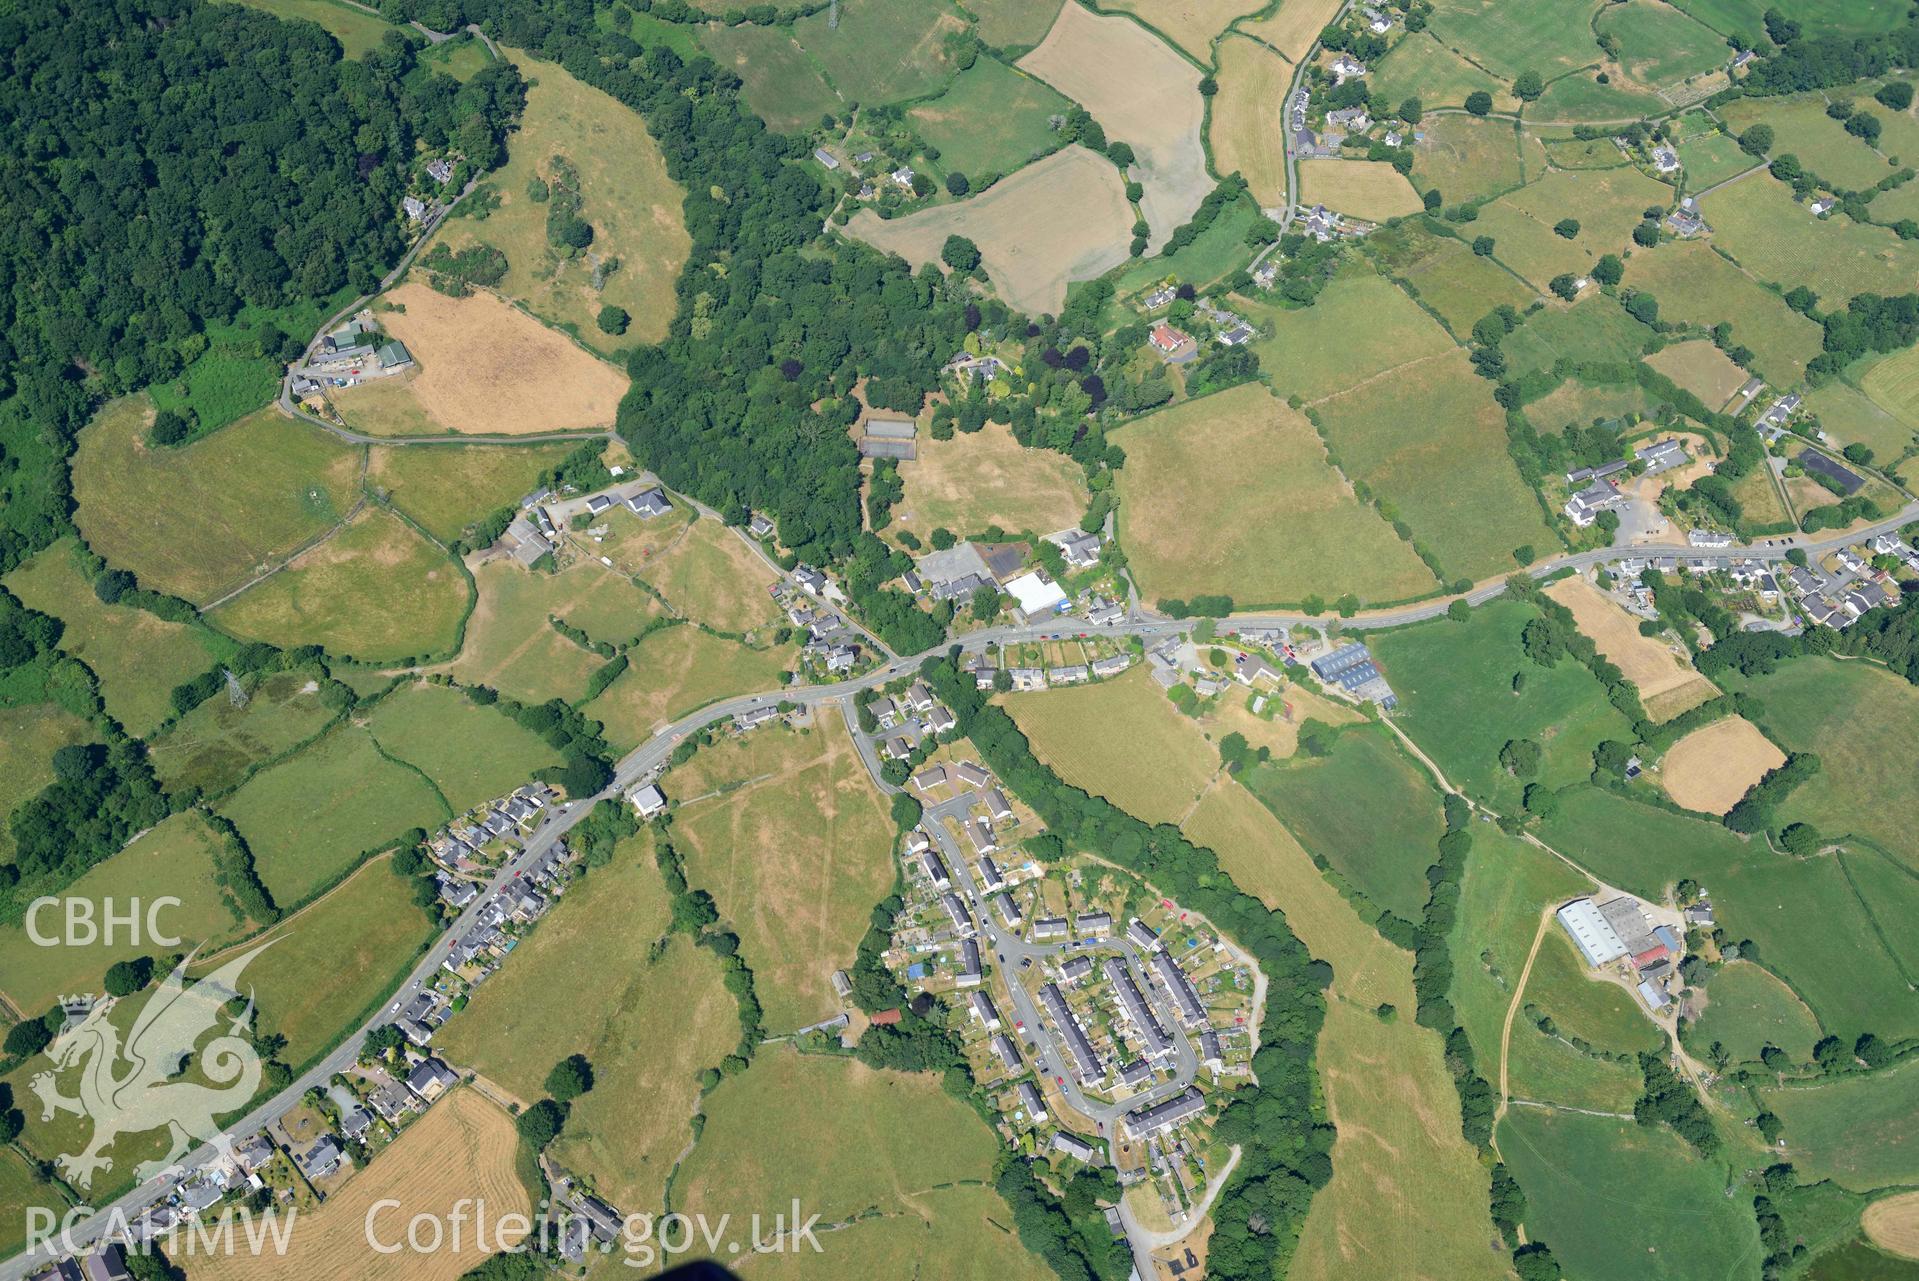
(647, 759)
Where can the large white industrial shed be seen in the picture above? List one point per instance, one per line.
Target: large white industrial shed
(1596, 939)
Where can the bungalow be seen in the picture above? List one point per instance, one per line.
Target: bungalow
(985, 1011)
(1376, 22)
(1741, 59)
(391, 1100)
(598, 503)
(1169, 340)
(456, 893)
(1823, 206)
(997, 805)
(1774, 419)
(940, 720)
(1248, 668)
(754, 717)
(1008, 1053)
(979, 834)
(1030, 1099)
(1161, 297)
(929, 778)
(903, 177)
(969, 774)
(1074, 1146)
(759, 526)
(355, 1122)
(322, 1159)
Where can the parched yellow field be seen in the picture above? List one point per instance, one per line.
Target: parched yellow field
(1062, 219)
(635, 209)
(511, 646)
(1369, 189)
(1140, 91)
(1701, 369)
(1193, 25)
(448, 487)
(1293, 29)
(1893, 1224)
(1711, 768)
(676, 670)
(1092, 735)
(795, 850)
(462, 1148)
(988, 478)
(485, 368)
(1248, 121)
(1645, 661)
(710, 575)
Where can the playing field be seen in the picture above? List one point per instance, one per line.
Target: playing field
(710, 575)
(310, 818)
(1140, 91)
(993, 120)
(1420, 66)
(1294, 27)
(1776, 239)
(676, 670)
(485, 368)
(176, 859)
(1593, 329)
(1696, 285)
(1280, 524)
(1247, 127)
(374, 590)
(201, 519)
(1659, 46)
(1448, 277)
(139, 657)
(1359, 328)
(1090, 735)
(447, 488)
(512, 647)
(1551, 36)
(1863, 722)
(1407, 1195)
(1748, 1009)
(1801, 127)
(795, 851)
(357, 30)
(1062, 219)
(882, 51)
(1826, 1123)
(1710, 769)
(1456, 700)
(1465, 157)
(648, 1025)
(1849, 417)
(1446, 474)
(1369, 189)
(1893, 385)
(1646, 661)
(988, 478)
(216, 742)
(472, 753)
(1893, 1224)
(1625, 1202)
(1606, 203)
(634, 209)
(463, 1148)
(880, 1139)
(1366, 810)
(1700, 368)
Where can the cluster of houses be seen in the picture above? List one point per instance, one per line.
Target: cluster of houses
(417, 209)
(833, 647)
(1617, 933)
(342, 357)
(1594, 489)
(535, 532)
(1175, 345)
(1851, 581)
(957, 572)
(900, 178)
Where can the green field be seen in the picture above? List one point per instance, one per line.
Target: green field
(1361, 326)
(1659, 45)
(1582, 97)
(1864, 724)
(992, 120)
(1744, 17)
(1467, 158)
(1806, 920)
(20, 1189)
(648, 1025)
(883, 50)
(1281, 525)
(308, 819)
(472, 753)
(201, 519)
(1213, 254)
(782, 84)
(446, 488)
(1602, 1014)
(357, 30)
(1892, 383)
(1695, 285)
(1711, 158)
(1826, 1123)
(707, 574)
(1748, 1009)
(1448, 277)
(1777, 240)
(1366, 810)
(139, 657)
(1454, 682)
(174, 859)
(1607, 204)
(462, 57)
(29, 736)
(1446, 473)
(1623, 1202)
(675, 671)
(215, 743)
(1014, 24)
(1802, 128)
(1550, 37)
(1574, 401)
(1089, 733)
(1859, 1261)
(1592, 153)
(1420, 66)
(221, 386)
(1850, 416)
(376, 590)
(796, 850)
(511, 646)
(1595, 328)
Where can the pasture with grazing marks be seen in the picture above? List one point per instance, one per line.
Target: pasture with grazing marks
(1893, 385)
(212, 745)
(1607, 204)
(1466, 157)
(198, 520)
(1801, 127)
(1421, 66)
(22, 1190)
(1014, 24)
(1247, 131)
(1893, 1224)
(1850, 416)
(1446, 276)
(1282, 526)
(375, 590)
(1711, 158)
(1369, 189)
(486, 368)
(463, 1148)
(472, 753)
(676, 670)
(988, 478)
(1593, 329)
(782, 85)
(1140, 91)
(1647, 661)
(1862, 1131)
(1091, 735)
(711, 576)
(1659, 46)
(882, 51)
(795, 850)
(1062, 219)
(511, 646)
(1549, 36)
(1775, 238)
(1360, 327)
(447, 488)
(1747, 1009)
(1295, 27)
(1701, 369)
(1695, 285)
(634, 207)
(29, 736)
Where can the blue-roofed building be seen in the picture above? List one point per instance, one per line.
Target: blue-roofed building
(1351, 667)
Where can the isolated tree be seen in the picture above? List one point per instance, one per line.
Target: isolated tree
(1520, 757)
(1483, 246)
(960, 254)
(1412, 111)
(1479, 102)
(169, 428)
(1756, 141)
(1566, 228)
(124, 978)
(1863, 124)
(1120, 153)
(1644, 308)
(1541, 800)
(613, 320)
(1459, 611)
(1528, 86)
(571, 1077)
(1896, 94)
(958, 184)
(1646, 234)
(1565, 285)
(1609, 270)
(540, 1124)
